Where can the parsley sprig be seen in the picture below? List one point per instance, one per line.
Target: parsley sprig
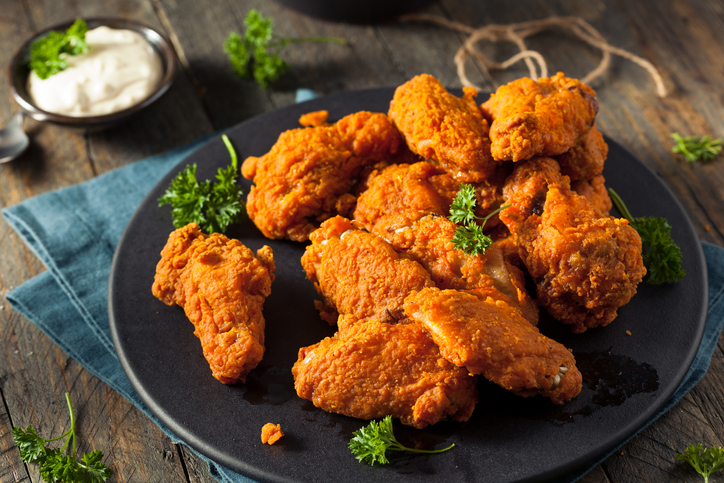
(371, 442)
(214, 206)
(695, 148)
(706, 461)
(54, 464)
(256, 54)
(46, 53)
(469, 237)
(662, 257)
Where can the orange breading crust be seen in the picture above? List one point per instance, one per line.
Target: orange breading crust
(270, 433)
(585, 265)
(372, 369)
(491, 338)
(359, 273)
(221, 286)
(539, 118)
(307, 175)
(447, 129)
(585, 160)
(399, 194)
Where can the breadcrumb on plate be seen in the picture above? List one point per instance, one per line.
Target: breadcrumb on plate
(271, 433)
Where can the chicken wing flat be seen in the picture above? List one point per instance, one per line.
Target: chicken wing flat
(221, 286)
(440, 126)
(373, 369)
(490, 338)
(539, 118)
(399, 194)
(307, 175)
(585, 265)
(358, 273)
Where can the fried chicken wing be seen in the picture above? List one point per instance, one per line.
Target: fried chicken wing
(490, 338)
(358, 273)
(440, 126)
(429, 242)
(539, 118)
(308, 174)
(221, 286)
(585, 160)
(585, 265)
(373, 369)
(399, 194)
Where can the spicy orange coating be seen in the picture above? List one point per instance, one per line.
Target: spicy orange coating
(539, 118)
(313, 119)
(595, 190)
(270, 433)
(358, 273)
(585, 160)
(440, 126)
(429, 242)
(221, 286)
(399, 194)
(307, 175)
(585, 265)
(491, 338)
(372, 369)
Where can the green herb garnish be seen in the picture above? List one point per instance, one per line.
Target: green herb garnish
(370, 443)
(46, 53)
(256, 54)
(54, 464)
(469, 237)
(696, 148)
(662, 257)
(214, 206)
(704, 461)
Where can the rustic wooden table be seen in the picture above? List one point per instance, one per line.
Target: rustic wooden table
(683, 38)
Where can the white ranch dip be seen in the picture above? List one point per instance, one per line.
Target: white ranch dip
(119, 70)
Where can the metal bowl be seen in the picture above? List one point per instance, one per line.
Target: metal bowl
(18, 76)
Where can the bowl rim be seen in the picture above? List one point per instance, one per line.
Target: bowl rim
(18, 72)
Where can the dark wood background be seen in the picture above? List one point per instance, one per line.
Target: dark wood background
(683, 38)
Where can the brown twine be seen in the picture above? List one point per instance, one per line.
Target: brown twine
(517, 32)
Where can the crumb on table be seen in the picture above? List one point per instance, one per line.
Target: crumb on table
(270, 433)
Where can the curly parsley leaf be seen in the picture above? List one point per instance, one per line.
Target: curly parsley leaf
(256, 54)
(469, 237)
(662, 257)
(56, 466)
(47, 53)
(370, 443)
(214, 206)
(695, 148)
(705, 461)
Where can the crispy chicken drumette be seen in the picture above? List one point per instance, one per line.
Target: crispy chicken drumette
(539, 118)
(221, 286)
(586, 265)
(308, 174)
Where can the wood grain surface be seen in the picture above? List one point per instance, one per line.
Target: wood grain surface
(684, 39)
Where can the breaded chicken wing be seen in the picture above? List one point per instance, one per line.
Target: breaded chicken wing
(221, 286)
(585, 265)
(399, 194)
(372, 369)
(358, 273)
(539, 118)
(490, 338)
(585, 160)
(429, 242)
(308, 174)
(442, 127)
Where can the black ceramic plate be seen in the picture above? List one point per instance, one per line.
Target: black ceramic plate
(627, 378)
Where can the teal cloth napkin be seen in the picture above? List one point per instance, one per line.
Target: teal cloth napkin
(74, 232)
